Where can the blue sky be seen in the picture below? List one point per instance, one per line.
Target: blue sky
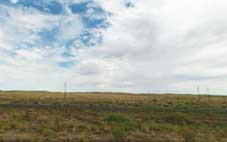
(91, 18)
(113, 45)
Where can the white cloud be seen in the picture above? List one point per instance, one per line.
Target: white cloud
(152, 45)
(14, 1)
(70, 27)
(32, 20)
(158, 45)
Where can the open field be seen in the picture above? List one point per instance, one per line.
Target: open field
(50, 117)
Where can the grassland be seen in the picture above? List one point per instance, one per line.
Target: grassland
(50, 117)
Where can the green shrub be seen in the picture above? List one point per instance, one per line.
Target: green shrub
(45, 131)
(83, 127)
(189, 136)
(120, 124)
(118, 134)
(177, 119)
(13, 124)
(3, 124)
(121, 121)
(116, 118)
(155, 100)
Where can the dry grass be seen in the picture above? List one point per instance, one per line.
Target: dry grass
(70, 124)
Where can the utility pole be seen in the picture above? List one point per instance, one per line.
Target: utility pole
(198, 91)
(65, 91)
(225, 99)
(65, 95)
(208, 95)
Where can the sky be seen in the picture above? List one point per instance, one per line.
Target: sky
(145, 46)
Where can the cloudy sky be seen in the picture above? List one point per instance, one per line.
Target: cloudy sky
(114, 45)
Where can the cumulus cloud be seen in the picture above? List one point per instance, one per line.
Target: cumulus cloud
(165, 46)
(148, 46)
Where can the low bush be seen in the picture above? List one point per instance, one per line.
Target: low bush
(120, 125)
(121, 121)
(118, 134)
(189, 136)
(116, 118)
(13, 124)
(177, 119)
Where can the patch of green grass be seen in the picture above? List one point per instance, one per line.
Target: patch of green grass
(177, 119)
(118, 134)
(13, 124)
(189, 136)
(3, 124)
(45, 131)
(121, 121)
(117, 118)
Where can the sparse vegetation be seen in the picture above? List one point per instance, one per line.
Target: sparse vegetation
(47, 117)
(189, 136)
(118, 134)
